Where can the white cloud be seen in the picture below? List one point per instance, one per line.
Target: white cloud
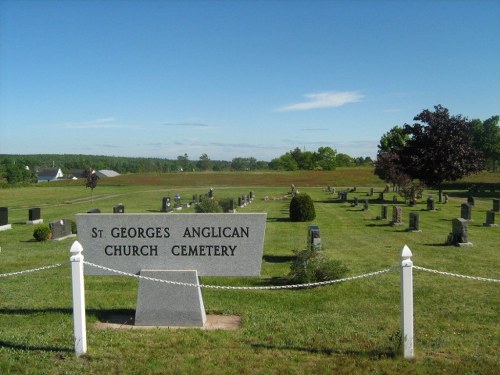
(328, 99)
(94, 124)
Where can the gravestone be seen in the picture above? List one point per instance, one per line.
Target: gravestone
(397, 215)
(366, 205)
(381, 196)
(431, 205)
(251, 196)
(466, 211)
(94, 211)
(496, 205)
(356, 202)
(4, 219)
(61, 229)
(490, 219)
(231, 205)
(383, 212)
(459, 234)
(159, 245)
(211, 193)
(446, 198)
(394, 199)
(34, 216)
(314, 238)
(165, 204)
(414, 225)
(471, 200)
(371, 192)
(119, 209)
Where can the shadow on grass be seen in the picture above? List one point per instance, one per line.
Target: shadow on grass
(5, 344)
(330, 351)
(278, 220)
(278, 258)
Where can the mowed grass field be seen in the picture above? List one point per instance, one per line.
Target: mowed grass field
(345, 328)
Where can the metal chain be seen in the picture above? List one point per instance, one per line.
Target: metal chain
(34, 269)
(456, 275)
(296, 286)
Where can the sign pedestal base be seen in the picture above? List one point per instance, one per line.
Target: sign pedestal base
(163, 304)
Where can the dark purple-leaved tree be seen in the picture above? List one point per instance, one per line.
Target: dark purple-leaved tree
(91, 179)
(440, 148)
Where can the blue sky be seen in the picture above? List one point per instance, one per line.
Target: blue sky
(237, 78)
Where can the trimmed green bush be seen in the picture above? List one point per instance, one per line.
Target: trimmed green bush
(41, 232)
(207, 205)
(310, 266)
(302, 208)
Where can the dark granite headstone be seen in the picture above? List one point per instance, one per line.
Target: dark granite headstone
(466, 211)
(119, 209)
(383, 212)
(94, 211)
(165, 204)
(381, 196)
(496, 205)
(60, 229)
(34, 213)
(431, 206)
(490, 219)
(471, 200)
(4, 216)
(366, 205)
(414, 222)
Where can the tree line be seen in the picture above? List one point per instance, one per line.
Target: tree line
(18, 169)
(438, 147)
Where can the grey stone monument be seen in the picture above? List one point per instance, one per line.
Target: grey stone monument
(165, 204)
(459, 234)
(397, 215)
(314, 238)
(414, 225)
(4, 219)
(471, 200)
(34, 216)
(466, 211)
(154, 300)
(174, 247)
(381, 196)
(490, 219)
(366, 205)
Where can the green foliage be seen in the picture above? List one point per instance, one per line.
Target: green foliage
(302, 208)
(41, 232)
(225, 204)
(311, 266)
(208, 205)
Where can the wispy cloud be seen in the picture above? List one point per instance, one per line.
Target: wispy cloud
(328, 99)
(101, 123)
(187, 124)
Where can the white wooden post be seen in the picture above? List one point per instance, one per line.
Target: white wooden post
(79, 324)
(407, 302)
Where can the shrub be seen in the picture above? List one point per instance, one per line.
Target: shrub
(41, 232)
(207, 205)
(225, 204)
(311, 266)
(302, 208)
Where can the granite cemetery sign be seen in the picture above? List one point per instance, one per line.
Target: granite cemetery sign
(196, 244)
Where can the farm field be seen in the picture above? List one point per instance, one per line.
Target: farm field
(344, 328)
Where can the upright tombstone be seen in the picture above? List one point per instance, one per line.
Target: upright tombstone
(356, 202)
(414, 225)
(61, 229)
(94, 211)
(4, 219)
(119, 209)
(496, 205)
(431, 205)
(459, 234)
(176, 248)
(381, 196)
(394, 199)
(383, 212)
(490, 219)
(34, 216)
(471, 200)
(366, 205)
(371, 192)
(314, 238)
(165, 204)
(397, 215)
(466, 211)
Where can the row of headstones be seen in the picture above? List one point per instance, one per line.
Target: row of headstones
(243, 200)
(342, 195)
(60, 228)
(354, 189)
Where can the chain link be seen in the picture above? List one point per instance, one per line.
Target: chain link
(34, 269)
(456, 275)
(276, 287)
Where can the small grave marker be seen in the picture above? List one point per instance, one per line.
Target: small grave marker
(490, 219)
(61, 229)
(4, 219)
(466, 211)
(397, 215)
(496, 205)
(314, 238)
(431, 205)
(34, 216)
(119, 209)
(459, 234)
(414, 225)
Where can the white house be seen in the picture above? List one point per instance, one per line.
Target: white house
(106, 173)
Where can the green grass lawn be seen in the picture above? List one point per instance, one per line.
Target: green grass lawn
(345, 328)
